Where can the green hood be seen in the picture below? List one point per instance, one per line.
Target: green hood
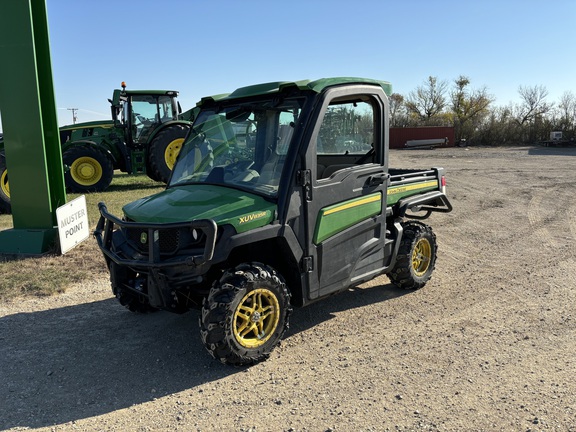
(92, 124)
(243, 210)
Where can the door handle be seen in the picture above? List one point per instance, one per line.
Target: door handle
(375, 180)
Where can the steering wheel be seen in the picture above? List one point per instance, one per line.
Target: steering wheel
(236, 167)
(250, 133)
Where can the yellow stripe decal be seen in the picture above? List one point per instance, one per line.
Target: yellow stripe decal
(353, 204)
(400, 189)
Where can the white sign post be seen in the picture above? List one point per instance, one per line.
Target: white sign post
(72, 223)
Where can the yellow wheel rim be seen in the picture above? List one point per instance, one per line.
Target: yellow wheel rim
(4, 183)
(172, 151)
(421, 256)
(256, 318)
(86, 171)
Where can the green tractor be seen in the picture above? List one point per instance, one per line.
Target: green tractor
(144, 137)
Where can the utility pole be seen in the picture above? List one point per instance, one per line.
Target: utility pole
(74, 118)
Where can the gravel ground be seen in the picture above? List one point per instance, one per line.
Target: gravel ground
(488, 345)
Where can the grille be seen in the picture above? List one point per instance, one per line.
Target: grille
(169, 240)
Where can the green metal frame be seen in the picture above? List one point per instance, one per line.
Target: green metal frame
(29, 120)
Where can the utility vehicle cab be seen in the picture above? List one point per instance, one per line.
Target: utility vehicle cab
(239, 146)
(281, 195)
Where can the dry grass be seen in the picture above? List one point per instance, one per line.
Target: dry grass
(51, 274)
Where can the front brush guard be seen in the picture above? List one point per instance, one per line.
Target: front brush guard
(107, 222)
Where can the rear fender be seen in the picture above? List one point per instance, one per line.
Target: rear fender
(163, 126)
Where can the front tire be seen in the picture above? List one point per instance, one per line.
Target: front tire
(131, 300)
(5, 206)
(90, 170)
(416, 256)
(245, 314)
(164, 150)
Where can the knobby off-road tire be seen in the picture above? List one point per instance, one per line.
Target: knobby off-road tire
(134, 302)
(164, 150)
(416, 256)
(5, 206)
(245, 314)
(90, 169)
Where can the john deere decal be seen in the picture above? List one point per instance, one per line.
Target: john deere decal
(253, 217)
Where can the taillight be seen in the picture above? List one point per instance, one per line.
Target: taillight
(443, 181)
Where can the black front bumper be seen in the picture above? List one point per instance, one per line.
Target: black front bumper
(154, 257)
(171, 277)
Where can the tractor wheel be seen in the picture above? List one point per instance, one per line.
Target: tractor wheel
(134, 302)
(5, 206)
(416, 256)
(245, 314)
(91, 170)
(164, 150)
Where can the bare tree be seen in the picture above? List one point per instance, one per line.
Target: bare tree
(469, 107)
(499, 127)
(567, 111)
(428, 100)
(533, 103)
(531, 112)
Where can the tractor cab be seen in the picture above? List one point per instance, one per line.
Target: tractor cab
(142, 112)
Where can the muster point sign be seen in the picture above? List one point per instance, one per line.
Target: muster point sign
(72, 223)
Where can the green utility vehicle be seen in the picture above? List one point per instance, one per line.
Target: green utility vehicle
(144, 136)
(281, 196)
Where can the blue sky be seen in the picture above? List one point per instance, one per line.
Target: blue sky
(207, 47)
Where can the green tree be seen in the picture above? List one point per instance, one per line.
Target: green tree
(398, 113)
(469, 107)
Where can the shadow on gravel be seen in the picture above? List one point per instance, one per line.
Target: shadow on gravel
(82, 361)
(552, 151)
(310, 316)
(90, 359)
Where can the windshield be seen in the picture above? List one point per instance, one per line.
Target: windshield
(243, 146)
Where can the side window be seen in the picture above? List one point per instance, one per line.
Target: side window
(347, 128)
(346, 136)
(165, 109)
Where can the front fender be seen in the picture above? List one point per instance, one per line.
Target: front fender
(90, 144)
(166, 125)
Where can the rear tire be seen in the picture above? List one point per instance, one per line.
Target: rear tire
(416, 256)
(164, 150)
(245, 315)
(5, 206)
(90, 170)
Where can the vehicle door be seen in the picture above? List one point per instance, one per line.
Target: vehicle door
(144, 117)
(345, 201)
